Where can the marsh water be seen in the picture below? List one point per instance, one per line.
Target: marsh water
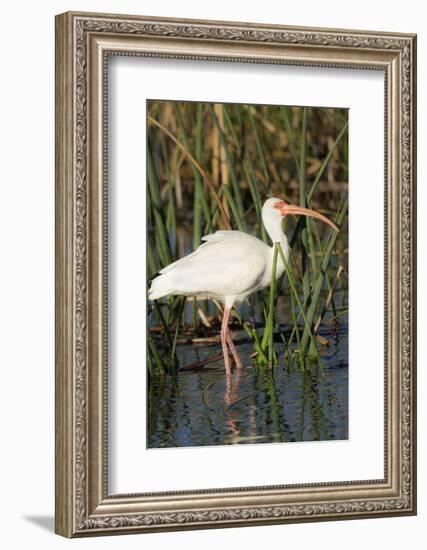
(202, 407)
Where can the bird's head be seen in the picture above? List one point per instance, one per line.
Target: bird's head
(277, 209)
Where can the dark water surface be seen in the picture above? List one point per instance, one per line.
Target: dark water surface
(193, 408)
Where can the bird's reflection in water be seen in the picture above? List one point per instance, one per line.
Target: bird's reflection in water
(250, 405)
(231, 396)
(232, 383)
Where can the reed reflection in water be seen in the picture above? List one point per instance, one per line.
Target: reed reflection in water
(202, 407)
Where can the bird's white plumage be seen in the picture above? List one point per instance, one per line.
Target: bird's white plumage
(228, 266)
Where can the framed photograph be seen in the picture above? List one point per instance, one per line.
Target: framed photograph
(235, 274)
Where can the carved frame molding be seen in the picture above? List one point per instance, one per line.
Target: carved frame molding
(83, 43)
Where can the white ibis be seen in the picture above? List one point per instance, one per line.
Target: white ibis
(230, 266)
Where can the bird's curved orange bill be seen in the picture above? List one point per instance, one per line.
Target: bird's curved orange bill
(287, 209)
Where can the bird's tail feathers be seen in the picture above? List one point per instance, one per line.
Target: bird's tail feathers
(159, 288)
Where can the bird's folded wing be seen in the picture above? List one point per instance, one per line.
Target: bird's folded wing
(225, 236)
(222, 266)
(230, 234)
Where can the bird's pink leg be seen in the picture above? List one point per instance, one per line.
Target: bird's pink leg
(234, 351)
(224, 334)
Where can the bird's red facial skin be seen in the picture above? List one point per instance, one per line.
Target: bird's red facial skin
(279, 205)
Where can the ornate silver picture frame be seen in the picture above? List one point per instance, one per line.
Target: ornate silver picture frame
(84, 42)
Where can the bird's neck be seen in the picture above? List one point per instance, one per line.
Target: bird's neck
(277, 235)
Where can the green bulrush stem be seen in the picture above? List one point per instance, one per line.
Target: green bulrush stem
(254, 336)
(260, 149)
(151, 266)
(238, 202)
(197, 213)
(165, 327)
(200, 203)
(230, 127)
(198, 191)
(196, 163)
(311, 228)
(234, 208)
(238, 112)
(173, 360)
(295, 320)
(155, 354)
(311, 312)
(329, 298)
(339, 216)
(295, 292)
(253, 188)
(291, 138)
(171, 310)
(318, 274)
(326, 162)
(276, 322)
(275, 415)
(160, 226)
(317, 414)
(215, 212)
(171, 217)
(341, 313)
(303, 203)
(150, 365)
(302, 400)
(304, 225)
(296, 332)
(322, 253)
(316, 181)
(267, 341)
